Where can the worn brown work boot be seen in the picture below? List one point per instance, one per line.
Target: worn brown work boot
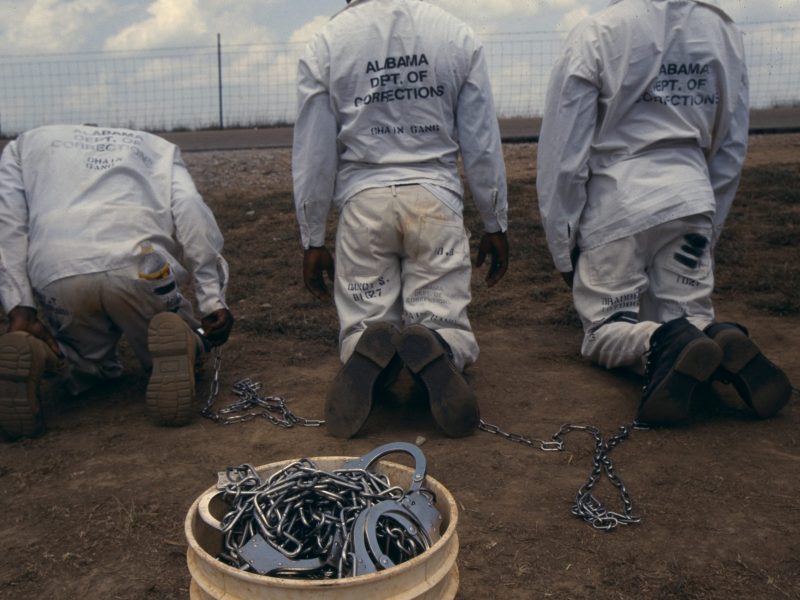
(170, 391)
(681, 356)
(761, 384)
(23, 360)
(350, 396)
(452, 401)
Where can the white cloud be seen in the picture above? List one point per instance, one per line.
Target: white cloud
(477, 11)
(572, 18)
(49, 25)
(518, 16)
(561, 4)
(169, 23)
(507, 15)
(305, 32)
(762, 11)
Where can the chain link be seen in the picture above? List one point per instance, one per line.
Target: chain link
(213, 391)
(250, 404)
(585, 505)
(310, 523)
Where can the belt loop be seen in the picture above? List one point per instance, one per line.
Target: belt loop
(394, 190)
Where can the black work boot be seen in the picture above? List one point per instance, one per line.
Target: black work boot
(350, 396)
(761, 384)
(452, 401)
(681, 356)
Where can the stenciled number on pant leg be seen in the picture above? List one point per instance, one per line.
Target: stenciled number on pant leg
(367, 290)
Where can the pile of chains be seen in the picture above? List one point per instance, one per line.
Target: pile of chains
(251, 403)
(585, 505)
(308, 523)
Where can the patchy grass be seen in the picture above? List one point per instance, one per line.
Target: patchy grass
(757, 257)
(262, 245)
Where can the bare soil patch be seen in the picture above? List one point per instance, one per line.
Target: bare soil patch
(94, 508)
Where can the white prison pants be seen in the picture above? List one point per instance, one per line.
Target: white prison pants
(624, 290)
(88, 314)
(403, 257)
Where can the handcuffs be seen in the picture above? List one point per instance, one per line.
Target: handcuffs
(414, 516)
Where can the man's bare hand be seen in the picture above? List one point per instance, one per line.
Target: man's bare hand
(217, 326)
(495, 246)
(317, 261)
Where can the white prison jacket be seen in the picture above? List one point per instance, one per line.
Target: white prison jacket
(78, 199)
(645, 121)
(389, 91)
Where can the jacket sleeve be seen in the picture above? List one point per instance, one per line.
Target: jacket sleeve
(565, 142)
(314, 151)
(199, 236)
(481, 147)
(15, 286)
(725, 166)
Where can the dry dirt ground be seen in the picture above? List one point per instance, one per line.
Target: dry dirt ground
(94, 508)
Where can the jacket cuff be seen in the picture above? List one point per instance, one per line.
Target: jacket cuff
(563, 261)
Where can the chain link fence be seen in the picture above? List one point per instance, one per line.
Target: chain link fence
(227, 86)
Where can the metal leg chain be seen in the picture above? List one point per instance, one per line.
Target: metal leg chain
(250, 404)
(213, 391)
(586, 506)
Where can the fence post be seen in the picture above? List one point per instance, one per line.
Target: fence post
(219, 80)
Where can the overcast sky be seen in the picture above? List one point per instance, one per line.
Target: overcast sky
(52, 71)
(61, 26)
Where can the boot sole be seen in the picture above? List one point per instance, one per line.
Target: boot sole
(452, 401)
(761, 384)
(170, 391)
(670, 401)
(20, 371)
(349, 399)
